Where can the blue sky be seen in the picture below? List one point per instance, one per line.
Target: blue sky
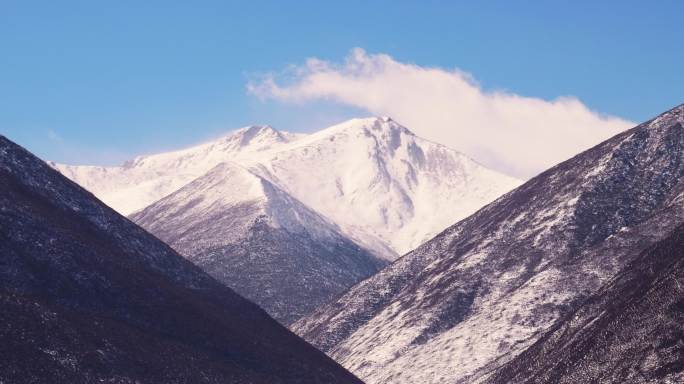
(97, 82)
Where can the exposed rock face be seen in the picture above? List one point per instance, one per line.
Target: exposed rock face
(481, 292)
(87, 296)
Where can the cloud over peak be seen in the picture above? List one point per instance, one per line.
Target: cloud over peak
(515, 134)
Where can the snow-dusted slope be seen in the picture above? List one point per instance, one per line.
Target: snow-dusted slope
(482, 291)
(146, 179)
(630, 332)
(259, 240)
(385, 188)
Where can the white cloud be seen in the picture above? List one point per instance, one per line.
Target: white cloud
(515, 134)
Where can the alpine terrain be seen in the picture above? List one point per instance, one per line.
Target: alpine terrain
(257, 239)
(87, 296)
(484, 290)
(146, 179)
(384, 187)
(292, 221)
(630, 331)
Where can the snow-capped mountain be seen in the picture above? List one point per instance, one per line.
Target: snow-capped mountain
(260, 241)
(146, 179)
(482, 291)
(278, 216)
(87, 296)
(630, 331)
(384, 187)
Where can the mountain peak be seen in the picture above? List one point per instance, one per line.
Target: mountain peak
(378, 120)
(513, 268)
(230, 184)
(371, 126)
(256, 134)
(258, 129)
(404, 188)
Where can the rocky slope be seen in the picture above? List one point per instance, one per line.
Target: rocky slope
(630, 331)
(87, 296)
(481, 292)
(292, 221)
(260, 241)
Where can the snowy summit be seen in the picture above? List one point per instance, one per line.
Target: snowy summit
(384, 187)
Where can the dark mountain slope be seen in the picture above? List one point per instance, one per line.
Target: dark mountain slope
(87, 296)
(631, 331)
(485, 289)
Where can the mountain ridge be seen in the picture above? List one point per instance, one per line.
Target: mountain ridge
(397, 183)
(414, 176)
(511, 269)
(88, 296)
(258, 240)
(145, 179)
